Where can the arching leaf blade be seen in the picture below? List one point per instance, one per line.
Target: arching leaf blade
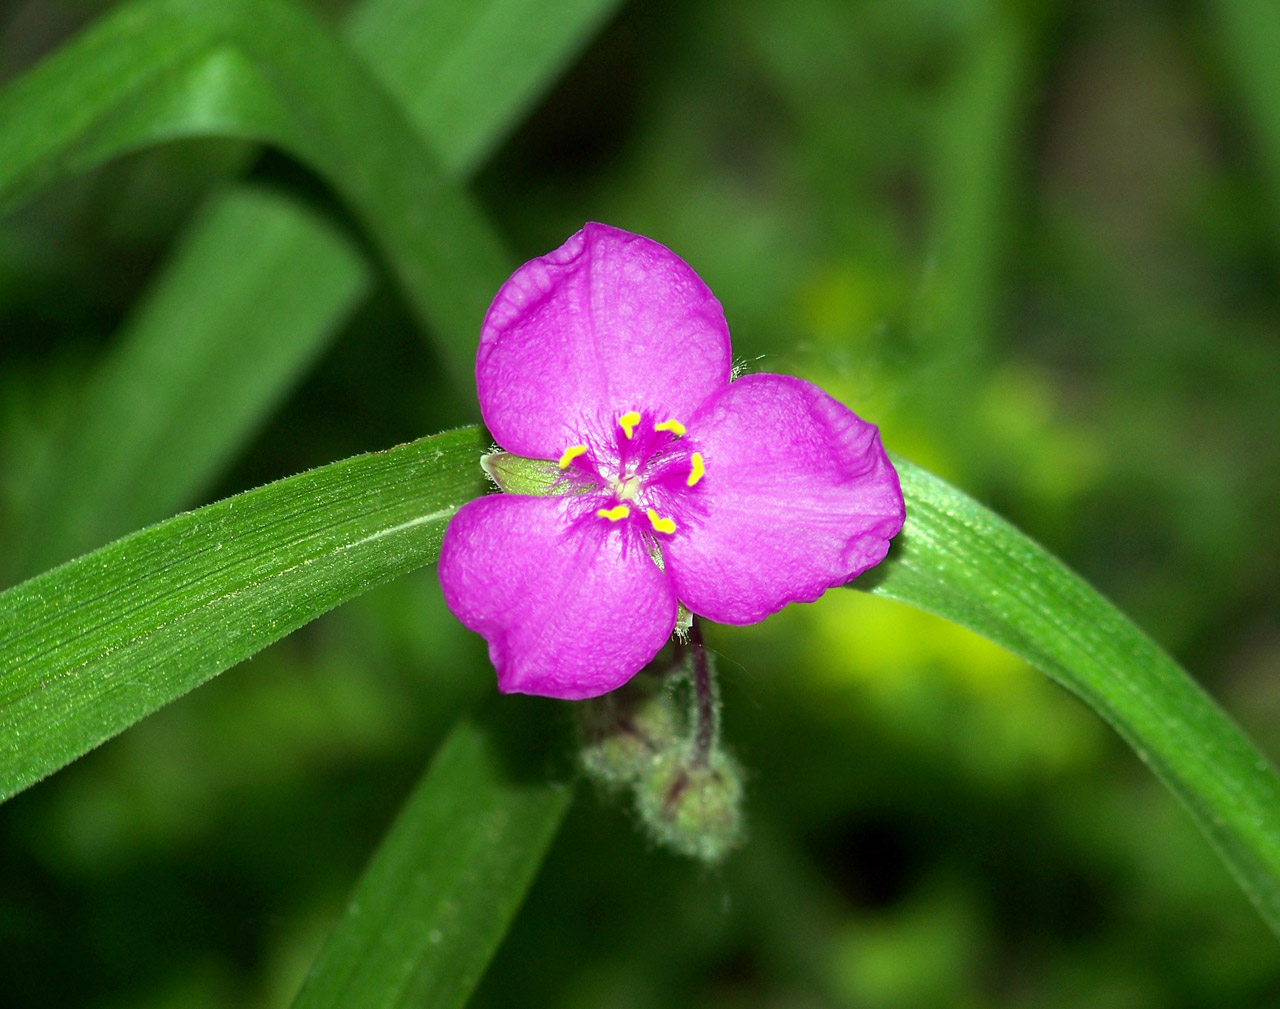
(264, 70)
(961, 561)
(91, 647)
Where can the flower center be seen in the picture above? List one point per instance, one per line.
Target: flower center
(650, 472)
(626, 490)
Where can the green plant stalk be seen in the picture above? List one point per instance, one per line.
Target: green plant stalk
(974, 171)
(959, 560)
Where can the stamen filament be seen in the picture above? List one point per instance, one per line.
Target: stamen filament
(570, 454)
(661, 525)
(699, 469)
(628, 422)
(614, 514)
(672, 425)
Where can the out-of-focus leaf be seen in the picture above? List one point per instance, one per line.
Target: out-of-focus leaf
(263, 70)
(91, 647)
(438, 895)
(974, 167)
(961, 561)
(496, 57)
(223, 337)
(1250, 40)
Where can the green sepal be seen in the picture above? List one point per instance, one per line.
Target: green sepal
(514, 474)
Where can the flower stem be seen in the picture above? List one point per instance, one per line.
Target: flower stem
(704, 687)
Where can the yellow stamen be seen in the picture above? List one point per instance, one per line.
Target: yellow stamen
(570, 454)
(615, 513)
(699, 469)
(672, 425)
(661, 525)
(628, 422)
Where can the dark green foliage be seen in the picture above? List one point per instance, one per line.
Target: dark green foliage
(1036, 242)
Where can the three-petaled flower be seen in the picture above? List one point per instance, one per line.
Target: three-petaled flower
(610, 359)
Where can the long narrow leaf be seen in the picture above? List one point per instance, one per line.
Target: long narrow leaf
(438, 895)
(93, 646)
(97, 644)
(224, 336)
(262, 70)
(961, 561)
(499, 55)
(1249, 35)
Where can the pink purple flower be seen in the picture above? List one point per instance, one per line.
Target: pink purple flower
(610, 359)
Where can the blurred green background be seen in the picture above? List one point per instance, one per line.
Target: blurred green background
(1036, 242)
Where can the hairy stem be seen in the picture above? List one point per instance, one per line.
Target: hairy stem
(704, 698)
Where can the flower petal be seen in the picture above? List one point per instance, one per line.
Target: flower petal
(608, 323)
(798, 496)
(570, 609)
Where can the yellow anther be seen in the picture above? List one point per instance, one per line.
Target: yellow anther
(614, 514)
(661, 525)
(672, 425)
(628, 422)
(699, 469)
(570, 454)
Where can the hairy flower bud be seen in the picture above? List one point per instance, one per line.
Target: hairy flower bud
(625, 731)
(692, 805)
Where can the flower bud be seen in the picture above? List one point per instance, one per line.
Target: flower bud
(691, 805)
(623, 732)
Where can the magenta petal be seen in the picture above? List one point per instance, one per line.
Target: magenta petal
(566, 610)
(607, 323)
(798, 496)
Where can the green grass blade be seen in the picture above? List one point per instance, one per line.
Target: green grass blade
(499, 56)
(1249, 34)
(439, 893)
(981, 131)
(223, 338)
(91, 647)
(261, 70)
(961, 561)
